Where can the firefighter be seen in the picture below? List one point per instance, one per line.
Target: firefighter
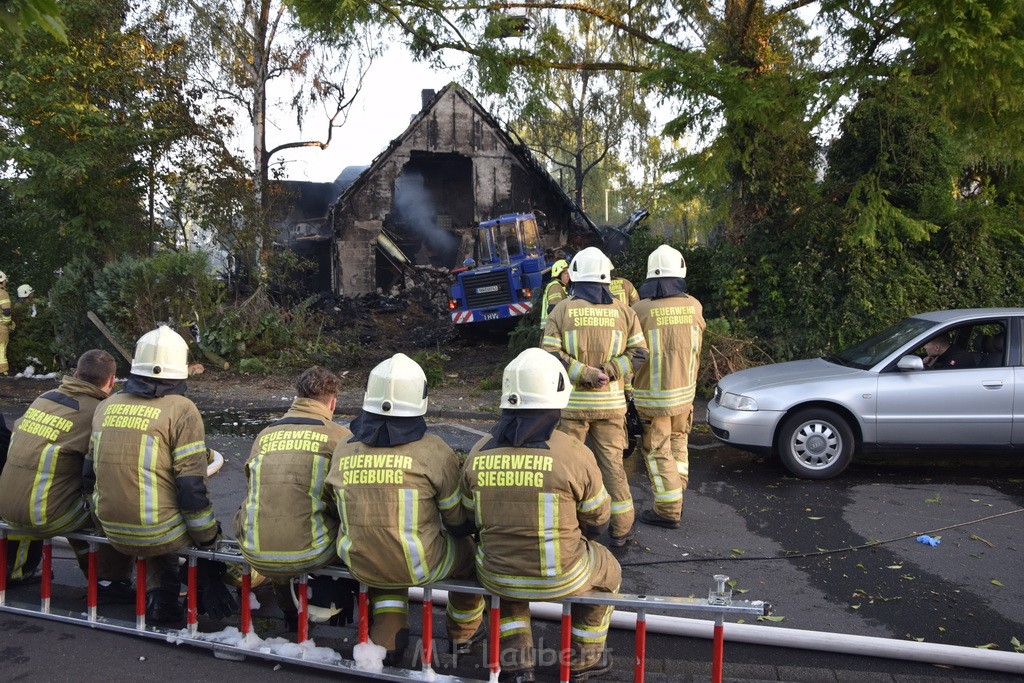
(6, 322)
(401, 525)
(41, 489)
(555, 291)
(27, 296)
(146, 472)
(623, 290)
(530, 487)
(664, 387)
(287, 524)
(600, 342)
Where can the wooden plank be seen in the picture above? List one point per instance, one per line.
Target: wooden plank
(109, 335)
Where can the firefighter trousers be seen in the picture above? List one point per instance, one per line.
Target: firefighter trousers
(110, 564)
(589, 622)
(389, 607)
(607, 441)
(665, 447)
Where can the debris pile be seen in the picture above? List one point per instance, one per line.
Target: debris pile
(407, 320)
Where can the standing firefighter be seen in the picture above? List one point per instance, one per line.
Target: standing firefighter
(537, 495)
(148, 464)
(27, 297)
(41, 489)
(664, 387)
(600, 342)
(623, 290)
(554, 291)
(397, 492)
(287, 524)
(6, 322)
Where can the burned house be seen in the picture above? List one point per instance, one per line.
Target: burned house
(298, 211)
(421, 199)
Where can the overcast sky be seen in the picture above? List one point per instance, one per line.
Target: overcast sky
(388, 101)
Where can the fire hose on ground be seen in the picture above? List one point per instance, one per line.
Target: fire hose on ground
(836, 643)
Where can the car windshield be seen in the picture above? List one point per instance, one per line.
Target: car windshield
(870, 351)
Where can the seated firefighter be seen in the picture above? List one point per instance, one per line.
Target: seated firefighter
(397, 493)
(536, 496)
(146, 472)
(41, 490)
(287, 524)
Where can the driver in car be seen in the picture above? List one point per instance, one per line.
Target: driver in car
(940, 354)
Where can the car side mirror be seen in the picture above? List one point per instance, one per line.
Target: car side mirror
(910, 363)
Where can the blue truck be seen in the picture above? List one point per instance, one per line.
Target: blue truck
(510, 266)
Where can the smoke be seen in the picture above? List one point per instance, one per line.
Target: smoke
(417, 215)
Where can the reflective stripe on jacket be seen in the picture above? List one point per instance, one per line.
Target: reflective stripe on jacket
(287, 523)
(554, 292)
(604, 336)
(391, 503)
(149, 455)
(529, 505)
(41, 490)
(674, 330)
(5, 306)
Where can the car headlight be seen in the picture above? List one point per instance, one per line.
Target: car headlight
(737, 402)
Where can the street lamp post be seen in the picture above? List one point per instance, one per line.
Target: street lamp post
(606, 191)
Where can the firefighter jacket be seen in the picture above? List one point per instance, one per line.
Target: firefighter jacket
(149, 458)
(623, 290)
(604, 336)
(5, 307)
(392, 501)
(41, 491)
(287, 522)
(673, 329)
(554, 292)
(529, 503)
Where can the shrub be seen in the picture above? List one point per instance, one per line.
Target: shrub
(433, 364)
(136, 295)
(258, 328)
(71, 298)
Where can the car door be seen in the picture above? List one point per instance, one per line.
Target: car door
(958, 406)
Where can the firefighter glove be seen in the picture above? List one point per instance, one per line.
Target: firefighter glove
(215, 598)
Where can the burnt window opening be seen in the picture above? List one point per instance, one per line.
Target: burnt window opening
(431, 206)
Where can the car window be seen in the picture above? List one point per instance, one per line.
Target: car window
(873, 349)
(974, 345)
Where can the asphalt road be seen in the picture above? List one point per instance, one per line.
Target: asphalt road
(837, 557)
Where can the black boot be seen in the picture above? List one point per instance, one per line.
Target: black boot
(162, 607)
(393, 657)
(162, 604)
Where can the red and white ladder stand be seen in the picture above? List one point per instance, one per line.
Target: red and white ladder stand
(719, 603)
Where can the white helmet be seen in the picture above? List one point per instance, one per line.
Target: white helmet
(666, 261)
(535, 379)
(25, 291)
(162, 354)
(3, 278)
(396, 388)
(591, 265)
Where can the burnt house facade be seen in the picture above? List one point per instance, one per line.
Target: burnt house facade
(453, 167)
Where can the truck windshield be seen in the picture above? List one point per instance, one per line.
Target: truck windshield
(529, 237)
(485, 246)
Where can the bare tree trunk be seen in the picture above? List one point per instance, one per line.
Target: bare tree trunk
(261, 65)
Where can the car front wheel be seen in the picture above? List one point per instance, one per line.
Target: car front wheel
(815, 443)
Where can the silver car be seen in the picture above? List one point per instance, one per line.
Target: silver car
(878, 395)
